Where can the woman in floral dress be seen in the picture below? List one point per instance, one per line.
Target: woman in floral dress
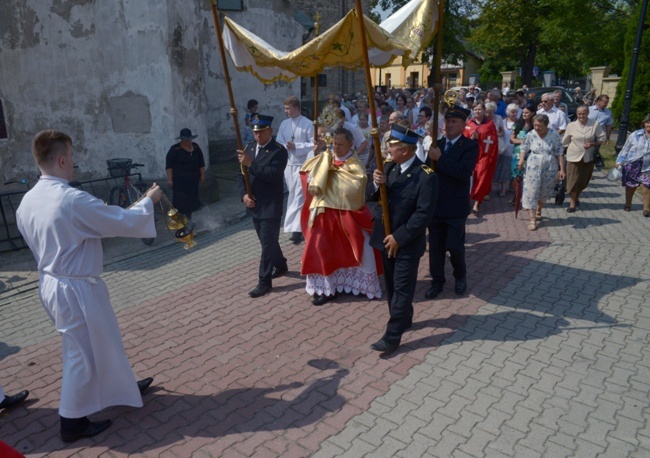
(545, 159)
(635, 160)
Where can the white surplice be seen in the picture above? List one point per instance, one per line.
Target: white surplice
(63, 227)
(300, 131)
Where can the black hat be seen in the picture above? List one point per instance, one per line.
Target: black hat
(261, 122)
(186, 134)
(401, 134)
(458, 112)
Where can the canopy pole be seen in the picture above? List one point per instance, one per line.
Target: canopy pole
(374, 132)
(233, 108)
(315, 120)
(437, 87)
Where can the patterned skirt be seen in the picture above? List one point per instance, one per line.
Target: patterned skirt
(633, 176)
(502, 172)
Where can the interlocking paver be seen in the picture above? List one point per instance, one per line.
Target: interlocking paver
(546, 356)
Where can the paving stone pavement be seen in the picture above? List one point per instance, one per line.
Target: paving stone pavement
(547, 355)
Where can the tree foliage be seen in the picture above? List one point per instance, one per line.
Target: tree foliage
(562, 35)
(567, 36)
(640, 105)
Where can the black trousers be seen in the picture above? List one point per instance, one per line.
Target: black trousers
(268, 232)
(400, 275)
(446, 234)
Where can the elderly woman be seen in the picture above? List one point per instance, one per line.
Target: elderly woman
(483, 130)
(504, 162)
(185, 169)
(580, 138)
(545, 159)
(635, 160)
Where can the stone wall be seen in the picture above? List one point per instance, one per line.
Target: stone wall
(123, 77)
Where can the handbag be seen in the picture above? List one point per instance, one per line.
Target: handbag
(614, 174)
(560, 192)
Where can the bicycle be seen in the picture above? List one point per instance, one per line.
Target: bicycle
(126, 194)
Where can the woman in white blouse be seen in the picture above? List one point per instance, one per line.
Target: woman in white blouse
(580, 139)
(635, 160)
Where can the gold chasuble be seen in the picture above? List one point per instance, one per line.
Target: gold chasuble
(335, 184)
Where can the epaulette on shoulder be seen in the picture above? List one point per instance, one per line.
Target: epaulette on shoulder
(426, 169)
(279, 145)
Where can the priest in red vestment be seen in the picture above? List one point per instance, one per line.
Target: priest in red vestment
(484, 132)
(336, 224)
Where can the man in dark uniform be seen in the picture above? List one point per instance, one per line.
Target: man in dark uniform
(454, 159)
(266, 160)
(412, 193)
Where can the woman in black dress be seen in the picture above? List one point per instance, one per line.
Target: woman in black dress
(185, 171)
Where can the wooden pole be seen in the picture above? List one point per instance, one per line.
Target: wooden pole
(233, 108)
(315, 120)
(437, 87)
(374, 132)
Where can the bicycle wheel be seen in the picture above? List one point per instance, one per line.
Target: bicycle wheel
(119, 197)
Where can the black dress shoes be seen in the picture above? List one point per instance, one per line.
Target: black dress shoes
(433, 292)
(296, 238)
(144, 384)
(320, 299)
(260, 290)
(461, 286)
(78, 428)
(11, 401)
(384, 346)
(279, 271)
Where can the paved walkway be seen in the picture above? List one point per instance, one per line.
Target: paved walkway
(546, 356)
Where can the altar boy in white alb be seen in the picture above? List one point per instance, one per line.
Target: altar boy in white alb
(296, 134)
(63, 227)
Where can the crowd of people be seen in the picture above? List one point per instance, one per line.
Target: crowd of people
(431, 171)
(499, 137)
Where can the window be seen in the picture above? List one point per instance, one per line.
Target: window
(415, 79)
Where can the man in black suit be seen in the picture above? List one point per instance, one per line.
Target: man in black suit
(454, 159)
(266, 160)
(412, 193)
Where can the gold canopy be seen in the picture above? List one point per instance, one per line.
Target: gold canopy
(338, 46)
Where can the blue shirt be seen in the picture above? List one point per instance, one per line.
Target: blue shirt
(604, 117)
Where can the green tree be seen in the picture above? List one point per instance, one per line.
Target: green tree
(640, 105)
(563, 35)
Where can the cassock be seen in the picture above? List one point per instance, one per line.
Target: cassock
(300, 131)
(488, 144)
(337, 224)
(63, 227)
